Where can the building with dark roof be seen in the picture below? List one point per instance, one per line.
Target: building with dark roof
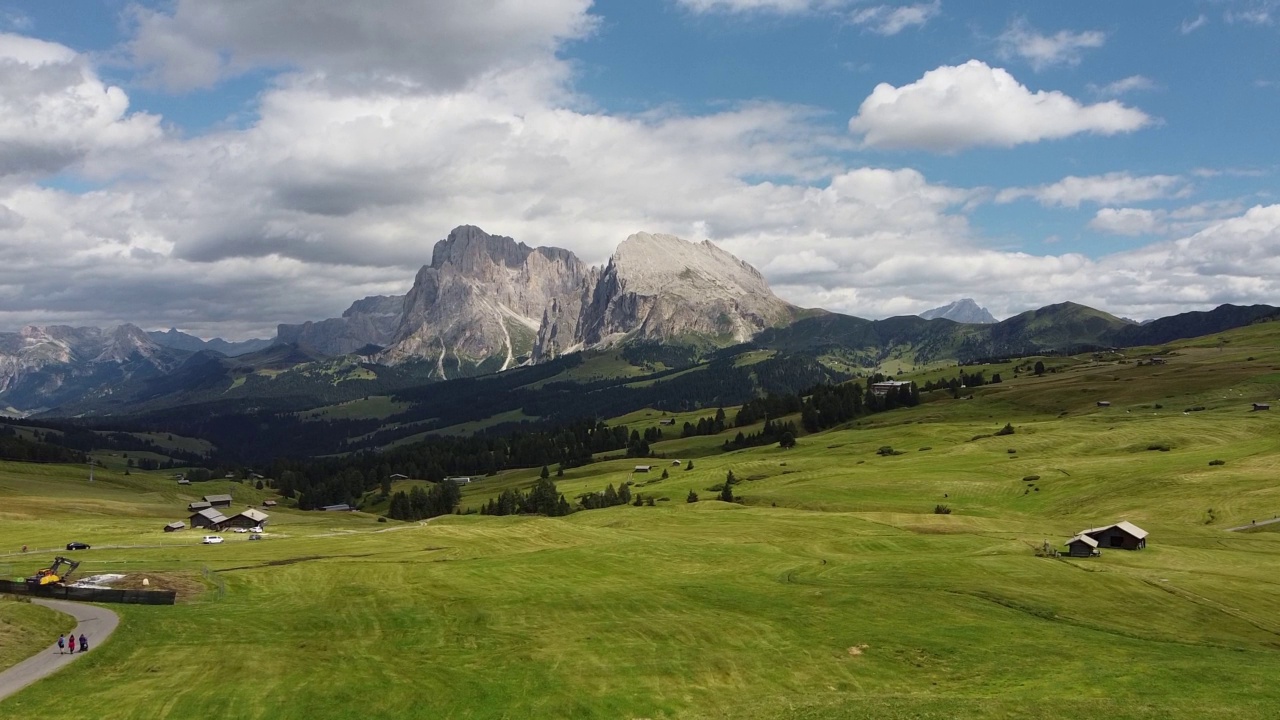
(1123, 535)
(198, 506)
(218, 500)
(247, 518)
(1082, 546)
(208, 518)
(175, 526)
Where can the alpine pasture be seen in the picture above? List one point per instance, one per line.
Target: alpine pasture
(833, 590)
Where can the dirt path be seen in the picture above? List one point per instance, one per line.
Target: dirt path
(1253, 525)
(95, 622)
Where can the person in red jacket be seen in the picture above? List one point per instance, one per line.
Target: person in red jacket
(71, 641)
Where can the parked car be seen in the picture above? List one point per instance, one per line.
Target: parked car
(239, 530)
(77, 546)
(255, 529)
(211, 540)
(255, 536)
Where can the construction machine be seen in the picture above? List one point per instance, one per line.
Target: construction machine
(54, 574)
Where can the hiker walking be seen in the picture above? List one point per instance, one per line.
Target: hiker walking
(62, 643)
(71, 642)
(84, 643)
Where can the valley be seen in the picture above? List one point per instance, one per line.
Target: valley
(845, 582)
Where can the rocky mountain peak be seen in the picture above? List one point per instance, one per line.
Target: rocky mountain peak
(962, 311)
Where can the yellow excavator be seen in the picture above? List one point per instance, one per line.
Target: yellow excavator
(54, 574)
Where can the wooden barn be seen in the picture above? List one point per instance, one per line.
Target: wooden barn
(247, 519)
(643, 468)
(1104, 403)
(269, 503)
(218, 500)
(1082, 546)
(175, 526)
(198, 506)
(208, 518)
(1262, 406)
(1123, 535)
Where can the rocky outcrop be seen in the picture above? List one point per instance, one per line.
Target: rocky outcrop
(961, 311)
(482, 300)
(662, 288)
(371, 321)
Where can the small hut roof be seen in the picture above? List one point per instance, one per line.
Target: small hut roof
(1123, 525)
(1084, 539)
(217, 498)
(198, 505)
(212, 515)
(255, 515)
(176, 525)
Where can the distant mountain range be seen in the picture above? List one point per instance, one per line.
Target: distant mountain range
(487, 303)
(964, 311)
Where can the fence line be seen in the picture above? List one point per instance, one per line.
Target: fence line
(64, 592)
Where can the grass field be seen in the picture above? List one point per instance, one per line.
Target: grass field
(833, 591)
(25, 627)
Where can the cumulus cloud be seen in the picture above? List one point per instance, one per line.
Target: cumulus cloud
(196, 43)
(956, 107)
(1044, 51)
(1184, 220)
(1128, 221)
(1116, 187)
(891, 20)
(55, 111)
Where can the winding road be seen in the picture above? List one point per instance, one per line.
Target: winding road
(95, 622)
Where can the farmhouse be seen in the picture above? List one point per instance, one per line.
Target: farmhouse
(198, 506)
(1262, 406)
(174, 526)
(269, 503)
(1123, 535)
(884, 388)
(1082, 546)
(218, 500)
(247, 519)
(643, 468)
(208, 518)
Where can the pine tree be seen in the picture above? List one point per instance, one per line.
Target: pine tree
(665, 474)
(689, 466)
(729, 478)
(726, 493)
(546, 473)
(693, 497)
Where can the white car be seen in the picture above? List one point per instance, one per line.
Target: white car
(239, 530)
(211, 540)
(256, 529)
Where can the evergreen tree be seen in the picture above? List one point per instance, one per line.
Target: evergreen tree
(787, 440)
(689, 466)
(665, 474)
(546, 473)
(693, 497)
(729, 478)
(1039, 369)
(726, 493)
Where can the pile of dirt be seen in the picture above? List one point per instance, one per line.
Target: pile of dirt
(186, 584)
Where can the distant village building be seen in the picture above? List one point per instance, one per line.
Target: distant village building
(1123, 535)
(183, 481)
(461, 480)
(218, 500)
(208, 518)
(175, 526)
(1082, 546)
(269, 503)
(881, 389)
(1104, 403)
(643, 468)
(667, 421)
(675, 463)
(1158, 360)
(198, 506)
(340, 507)
(1262, 406)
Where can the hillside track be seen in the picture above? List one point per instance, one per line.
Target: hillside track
(94, 622)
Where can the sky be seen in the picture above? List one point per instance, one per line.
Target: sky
(221, 166)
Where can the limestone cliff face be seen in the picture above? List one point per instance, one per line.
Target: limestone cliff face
(483, 298)
(371, 321)
(662, 288)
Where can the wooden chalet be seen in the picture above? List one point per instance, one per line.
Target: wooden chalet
(1082, 546)
(218, 500)
(208, 518)
(1123, 535)
(269, 503)
(340, 507)
(643, 468)
(175, 526)
(1104, 403)
(1262, 406)
(246, 519)
(198, 506)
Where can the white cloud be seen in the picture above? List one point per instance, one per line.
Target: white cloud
(777, 7)
(1116, 187)
(1190, 26)
(1123, 86)
(196, 43)
(891, 20)
(1183, 220)
(1043, 51)
(956, 107)
(1258, 15)
(55, 111)
(1128, 221)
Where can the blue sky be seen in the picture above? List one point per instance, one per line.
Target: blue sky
(223, 166)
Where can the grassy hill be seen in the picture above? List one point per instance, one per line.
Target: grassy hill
(833, 591)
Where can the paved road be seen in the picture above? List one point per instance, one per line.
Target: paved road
(95, 622)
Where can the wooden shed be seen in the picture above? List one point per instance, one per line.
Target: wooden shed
(1082, 546)
(1104, 403)
(218, 500)
(340, 507)
(175, 526)
(247, 519)
(643, 468)
(1262, 406)
(269, 503)
(1123, 535)
(198, 506)
(208, 518)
